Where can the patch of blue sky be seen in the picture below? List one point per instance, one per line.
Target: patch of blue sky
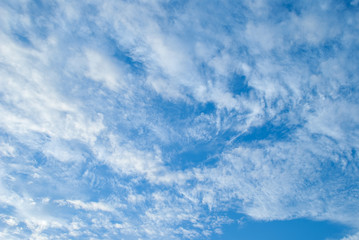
(22, 38)
(238, 85)
(40, 13)
(281, 230)
(198, 155)
(137, 67)
(268, 131)
(7, 209)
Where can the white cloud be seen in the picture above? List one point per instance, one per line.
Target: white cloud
(33, 104)
(6, 150)
(336, 119)
(284, 180)
(62, 151)
(29, 212)
(9, 220)
(268, 37)
(352, 237)
(102, 68)
(90, 206)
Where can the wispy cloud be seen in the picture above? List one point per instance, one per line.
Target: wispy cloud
(352, 237)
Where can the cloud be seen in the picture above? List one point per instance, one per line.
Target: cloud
(89, 206)
(352, 237)
(270, 185)
(7, 150)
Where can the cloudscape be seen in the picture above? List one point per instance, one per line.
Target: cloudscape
(167, 119)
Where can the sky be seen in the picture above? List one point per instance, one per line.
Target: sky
(167, 119)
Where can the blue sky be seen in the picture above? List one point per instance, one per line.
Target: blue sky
(179, 119)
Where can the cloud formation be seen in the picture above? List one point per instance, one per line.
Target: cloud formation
(156, 119)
